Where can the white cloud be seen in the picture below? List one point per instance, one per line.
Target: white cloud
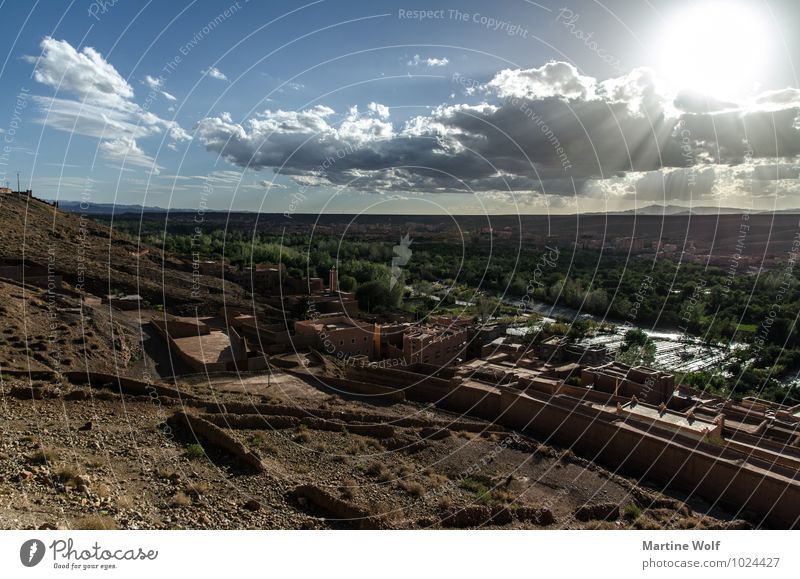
(381, 110)
(85, 74)
(154, 83)
(157, 84)
(417, 60)
(554, 79)
(127, 152)
(214, 72)
(778, 99)
(271, 185)
(94, 100)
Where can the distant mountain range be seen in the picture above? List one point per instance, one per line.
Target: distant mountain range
(697, 210)
(119, 208)
(657, 210)
(105, 208)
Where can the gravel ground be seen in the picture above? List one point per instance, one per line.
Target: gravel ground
(108, 461)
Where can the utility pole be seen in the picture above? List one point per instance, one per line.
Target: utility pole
(18, 189)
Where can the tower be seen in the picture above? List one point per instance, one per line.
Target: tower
(333, 280)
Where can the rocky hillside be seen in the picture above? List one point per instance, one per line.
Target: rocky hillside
(93, 257)
(278, 453)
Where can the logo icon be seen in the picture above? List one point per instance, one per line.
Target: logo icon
(31, 553)
(402, 254)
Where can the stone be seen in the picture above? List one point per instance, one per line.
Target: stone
(598, 511)
(252, 505)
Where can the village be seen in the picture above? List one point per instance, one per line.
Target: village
(743, 455)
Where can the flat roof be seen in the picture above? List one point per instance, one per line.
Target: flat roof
(698, 424)
(207, 348)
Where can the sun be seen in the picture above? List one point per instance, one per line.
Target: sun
(715, 48)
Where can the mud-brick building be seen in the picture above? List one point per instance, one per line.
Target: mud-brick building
(434, 345)
(646, 384)
(340, 335)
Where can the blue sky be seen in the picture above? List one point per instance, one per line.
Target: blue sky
(466, 107)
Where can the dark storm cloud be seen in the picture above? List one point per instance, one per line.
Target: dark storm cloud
(540, 130)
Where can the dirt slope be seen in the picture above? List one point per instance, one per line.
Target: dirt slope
(100, 261)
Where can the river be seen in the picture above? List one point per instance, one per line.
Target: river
(675, 352)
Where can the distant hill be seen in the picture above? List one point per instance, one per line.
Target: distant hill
(108, 208)
(680, 210)
(655, 209)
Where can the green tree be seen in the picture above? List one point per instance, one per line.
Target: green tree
(302, 309)
(637, 349)
(486, 307)
(376, 295)
(347, 283)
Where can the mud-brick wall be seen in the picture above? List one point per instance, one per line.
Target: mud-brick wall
(452, 396)
(694, 467)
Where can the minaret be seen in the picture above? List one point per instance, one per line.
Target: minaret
(333, 280)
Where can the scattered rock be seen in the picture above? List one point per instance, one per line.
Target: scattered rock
(252, 505)
(434, 433)
(343, 511)
(599, 511)
(539, 516)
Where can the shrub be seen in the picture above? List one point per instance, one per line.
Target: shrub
(195, 451)
(68, 475)
(96, 523)
(44, 456)
(180, 499)
(125, 502)
(412, 488)
(347, 488)
(303, 437)
(379, 471)
(197, 489)
(632, 511)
